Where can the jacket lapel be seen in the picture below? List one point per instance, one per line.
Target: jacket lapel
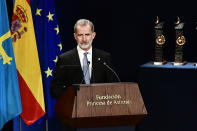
(94, 61)
(77, 62)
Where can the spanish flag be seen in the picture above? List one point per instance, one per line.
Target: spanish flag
(27, 62)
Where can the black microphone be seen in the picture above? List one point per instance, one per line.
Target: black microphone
(88, 62)
(105, 64)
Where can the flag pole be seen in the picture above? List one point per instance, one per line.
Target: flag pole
(47, 125)
(20, 124)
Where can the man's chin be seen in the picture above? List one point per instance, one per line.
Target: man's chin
(85, 47)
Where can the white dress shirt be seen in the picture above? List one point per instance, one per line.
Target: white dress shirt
(81, 57)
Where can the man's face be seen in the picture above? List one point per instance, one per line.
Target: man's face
(84, 36)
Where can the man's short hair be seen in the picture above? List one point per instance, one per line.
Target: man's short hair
(84, 22)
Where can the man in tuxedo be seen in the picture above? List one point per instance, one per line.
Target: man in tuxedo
(83, 64)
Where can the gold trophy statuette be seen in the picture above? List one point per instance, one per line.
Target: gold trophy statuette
(159, 43)
(180, 42)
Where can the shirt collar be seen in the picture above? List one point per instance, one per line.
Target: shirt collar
(80, 51)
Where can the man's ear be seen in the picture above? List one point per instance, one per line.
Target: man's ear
(75, 35)
(94, 34)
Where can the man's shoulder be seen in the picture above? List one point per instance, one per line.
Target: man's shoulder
(69, 53)
(101, 52)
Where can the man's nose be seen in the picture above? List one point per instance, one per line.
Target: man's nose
(84, 38)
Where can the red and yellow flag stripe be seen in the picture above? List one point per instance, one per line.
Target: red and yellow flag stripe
(27, 62)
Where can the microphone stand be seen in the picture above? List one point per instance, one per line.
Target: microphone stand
(112, 71)
(105, 64)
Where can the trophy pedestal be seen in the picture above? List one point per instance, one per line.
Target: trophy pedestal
(159, 63)
(179, 63)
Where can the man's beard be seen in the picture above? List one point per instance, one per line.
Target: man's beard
(85, 46)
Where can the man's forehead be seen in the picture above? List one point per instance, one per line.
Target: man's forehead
(83, 27)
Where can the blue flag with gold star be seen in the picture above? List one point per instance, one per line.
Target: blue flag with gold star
(49, 47)
(10, 100)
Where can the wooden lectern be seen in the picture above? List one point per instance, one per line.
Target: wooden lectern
(98, 105)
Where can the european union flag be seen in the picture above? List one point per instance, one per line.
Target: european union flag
(10, 100)
(49, 47)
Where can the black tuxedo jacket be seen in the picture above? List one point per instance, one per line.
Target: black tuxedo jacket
(68, 70)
